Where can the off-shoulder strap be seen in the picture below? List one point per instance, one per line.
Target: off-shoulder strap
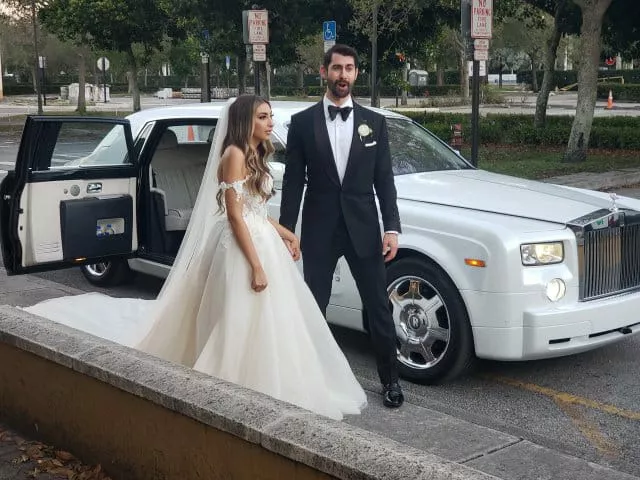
(237, 186)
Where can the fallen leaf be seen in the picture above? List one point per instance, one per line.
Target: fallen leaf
(21, 459)
(64, 456)
(34, 452)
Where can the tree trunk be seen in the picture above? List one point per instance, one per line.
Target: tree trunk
(464, 76)
(549, 69)
(405, 79)
(534, 74)
(590, 44)
(242, 72)
(133, 80)
(265, 83)
(82, 73)
(439, 74)
(300, 76)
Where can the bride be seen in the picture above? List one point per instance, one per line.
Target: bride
(234, 305)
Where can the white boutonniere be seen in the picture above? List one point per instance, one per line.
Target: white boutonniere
(365, 133)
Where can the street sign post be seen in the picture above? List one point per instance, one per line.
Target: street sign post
(258, 26)
(480, 55)
(329, 34)
(259, 53)
(481, 18)
(103, 65)
(477, 23)
(255, 31)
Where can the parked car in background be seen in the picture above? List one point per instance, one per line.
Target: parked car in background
(489, 266)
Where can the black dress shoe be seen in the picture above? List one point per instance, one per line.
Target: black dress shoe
(392, 396)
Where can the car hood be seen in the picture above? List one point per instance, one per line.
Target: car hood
(495, 193)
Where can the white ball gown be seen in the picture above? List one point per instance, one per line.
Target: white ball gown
(276, 342)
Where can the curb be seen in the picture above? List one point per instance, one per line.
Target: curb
(334, 448)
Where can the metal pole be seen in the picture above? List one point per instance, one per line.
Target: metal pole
(374, 58)
(475, 113)
(104, 79)
(256, 70)
(37, 60)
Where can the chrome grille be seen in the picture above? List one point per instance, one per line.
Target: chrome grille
(610, 261)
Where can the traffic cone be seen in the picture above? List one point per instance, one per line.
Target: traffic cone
(190, 135)
(610, 101)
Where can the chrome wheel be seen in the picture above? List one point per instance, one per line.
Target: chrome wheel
(107, 273)
(98, 269)
(422, 321)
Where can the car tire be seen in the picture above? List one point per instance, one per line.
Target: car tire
(108, 273)
(433, 332)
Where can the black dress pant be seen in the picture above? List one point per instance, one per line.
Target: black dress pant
(369, 274)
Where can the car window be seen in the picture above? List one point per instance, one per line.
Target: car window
(89, 144)
(414, 149)
(193, 133)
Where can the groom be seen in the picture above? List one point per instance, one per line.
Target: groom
(343, 150)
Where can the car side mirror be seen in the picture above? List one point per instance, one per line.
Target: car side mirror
(277, 172)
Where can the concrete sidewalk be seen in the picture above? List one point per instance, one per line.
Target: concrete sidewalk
(490, 451)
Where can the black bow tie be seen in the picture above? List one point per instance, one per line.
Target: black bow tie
(344, 112)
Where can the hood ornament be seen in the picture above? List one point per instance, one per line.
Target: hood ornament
(614, 205)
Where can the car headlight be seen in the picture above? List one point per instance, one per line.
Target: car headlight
(541, 253)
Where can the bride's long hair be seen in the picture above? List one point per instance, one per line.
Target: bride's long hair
(239, 133)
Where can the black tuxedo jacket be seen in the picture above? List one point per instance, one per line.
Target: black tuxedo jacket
(326, 200)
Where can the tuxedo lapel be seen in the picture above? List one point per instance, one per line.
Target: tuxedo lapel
(355, 151)
(323, 143)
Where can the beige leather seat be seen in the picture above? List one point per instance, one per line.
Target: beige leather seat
(178, 170)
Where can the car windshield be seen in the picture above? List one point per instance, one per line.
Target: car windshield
(414, 149)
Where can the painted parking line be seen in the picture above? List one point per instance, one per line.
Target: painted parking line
(568, 398)
(570, 405)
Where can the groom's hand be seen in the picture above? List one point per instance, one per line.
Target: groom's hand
(389, 246)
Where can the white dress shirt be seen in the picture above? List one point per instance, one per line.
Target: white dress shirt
(340, 134)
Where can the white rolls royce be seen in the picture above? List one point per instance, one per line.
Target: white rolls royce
(489, 266)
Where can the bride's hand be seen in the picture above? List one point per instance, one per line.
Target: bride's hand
(293, 245)
(258, 279)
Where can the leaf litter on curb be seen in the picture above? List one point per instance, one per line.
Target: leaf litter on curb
(48, 460)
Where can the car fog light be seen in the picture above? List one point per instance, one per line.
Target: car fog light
(555, 289)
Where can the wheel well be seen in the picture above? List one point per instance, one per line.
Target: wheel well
(408, 253)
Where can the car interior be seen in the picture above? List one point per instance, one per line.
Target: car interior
(176, 170)
(175, 173)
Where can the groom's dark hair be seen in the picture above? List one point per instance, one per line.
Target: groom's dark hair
(340, 49)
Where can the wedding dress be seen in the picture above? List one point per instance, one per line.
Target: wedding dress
(207, 316)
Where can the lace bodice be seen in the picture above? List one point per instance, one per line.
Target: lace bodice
(253, 204)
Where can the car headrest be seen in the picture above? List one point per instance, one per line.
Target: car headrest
(168, 140)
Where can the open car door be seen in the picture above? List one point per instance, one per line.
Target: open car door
(71, 198)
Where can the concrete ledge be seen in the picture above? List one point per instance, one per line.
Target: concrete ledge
(151, 404)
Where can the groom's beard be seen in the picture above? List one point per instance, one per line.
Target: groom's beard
(342, 91)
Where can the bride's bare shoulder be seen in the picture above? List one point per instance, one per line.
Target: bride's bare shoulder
(233, 162)
(233, 152)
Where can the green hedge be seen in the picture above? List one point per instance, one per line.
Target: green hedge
(607, 132)
(625, 93)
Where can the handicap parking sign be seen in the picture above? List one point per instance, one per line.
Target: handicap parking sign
(329, 30)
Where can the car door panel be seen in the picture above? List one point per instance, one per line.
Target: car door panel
(59, 214)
